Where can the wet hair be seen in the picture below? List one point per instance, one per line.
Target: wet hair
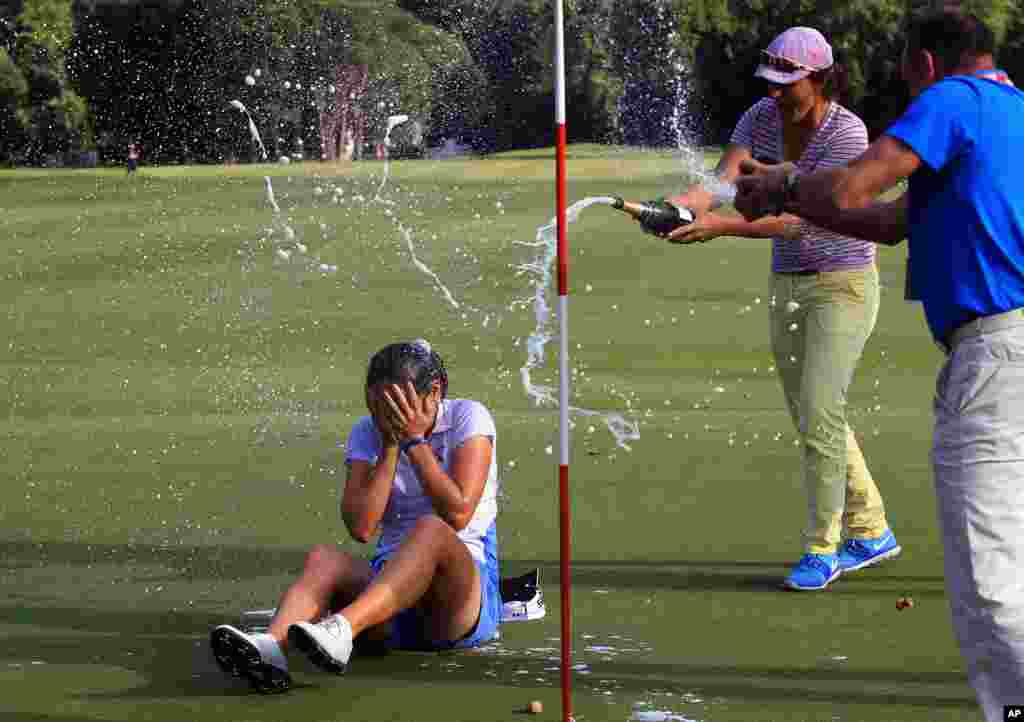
(835, 81)
(951, 36)
(412, 361)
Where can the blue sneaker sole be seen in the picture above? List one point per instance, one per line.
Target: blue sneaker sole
(794, 587)
(877, 559)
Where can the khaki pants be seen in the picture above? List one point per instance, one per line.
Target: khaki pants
(978, 455)
(819, 325)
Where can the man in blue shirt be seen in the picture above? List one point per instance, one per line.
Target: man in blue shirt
(961, 145)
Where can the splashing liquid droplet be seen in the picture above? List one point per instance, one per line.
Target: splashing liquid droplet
(622, 429)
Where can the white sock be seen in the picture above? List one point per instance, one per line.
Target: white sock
(270, 650)
(343, 620)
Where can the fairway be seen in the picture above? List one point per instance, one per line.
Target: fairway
(181, 364)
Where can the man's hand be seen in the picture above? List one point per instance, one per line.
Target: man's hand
(704, 228)
(760, 189)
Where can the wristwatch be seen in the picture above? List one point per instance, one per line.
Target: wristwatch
(789, 188)
(411, 442)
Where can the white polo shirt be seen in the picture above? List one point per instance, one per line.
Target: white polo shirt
(457, 421)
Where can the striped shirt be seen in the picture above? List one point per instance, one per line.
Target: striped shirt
(840, 138)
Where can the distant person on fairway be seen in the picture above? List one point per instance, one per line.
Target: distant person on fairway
(422, 470)
(133, 157)
(824, 300)
(961, 145)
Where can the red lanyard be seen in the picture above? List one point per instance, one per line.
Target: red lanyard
(995, 74)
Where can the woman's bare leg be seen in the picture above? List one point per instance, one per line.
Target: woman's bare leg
(432, 568)
(328, 574)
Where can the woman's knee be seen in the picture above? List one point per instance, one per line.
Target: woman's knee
(432, 527)
(326, 561)
(436, 536)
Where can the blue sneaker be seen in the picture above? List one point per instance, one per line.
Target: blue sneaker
(859, 553)
(814, 571)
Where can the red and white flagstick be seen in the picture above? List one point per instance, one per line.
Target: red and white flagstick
(565, 528)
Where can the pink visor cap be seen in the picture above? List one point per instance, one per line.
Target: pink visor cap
(793, 55)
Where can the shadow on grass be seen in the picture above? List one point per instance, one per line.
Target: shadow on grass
(738, 576)
(193, 563)
(165, 651)
(34, 717)
(738, 684)
(169, 651)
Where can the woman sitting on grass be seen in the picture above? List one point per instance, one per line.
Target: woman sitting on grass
(422, 469)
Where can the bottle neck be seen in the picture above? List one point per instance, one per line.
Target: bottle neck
(632, 208)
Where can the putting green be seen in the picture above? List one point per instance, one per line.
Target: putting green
(177, 391)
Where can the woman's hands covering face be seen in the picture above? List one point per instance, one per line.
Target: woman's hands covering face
(383, 416)
(413, 414)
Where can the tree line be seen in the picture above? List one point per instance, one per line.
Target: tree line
(85, 77)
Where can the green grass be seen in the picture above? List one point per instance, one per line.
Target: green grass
(176, 394)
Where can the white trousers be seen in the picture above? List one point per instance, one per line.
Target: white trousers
(978, 457)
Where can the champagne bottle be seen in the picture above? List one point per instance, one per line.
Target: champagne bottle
(659, 217)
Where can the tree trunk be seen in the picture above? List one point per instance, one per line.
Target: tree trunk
(343, 122)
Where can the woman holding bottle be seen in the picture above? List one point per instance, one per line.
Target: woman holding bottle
(825, 299)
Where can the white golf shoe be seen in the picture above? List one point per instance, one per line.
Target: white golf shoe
(254, 657)
(327, 643)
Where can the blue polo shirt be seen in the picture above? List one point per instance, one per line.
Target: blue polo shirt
(966, 202)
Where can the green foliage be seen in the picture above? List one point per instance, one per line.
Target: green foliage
(199, 53)
(871, 59)
(865, 35)
(1011, 56)
(13, 86)
(71, 108)
(650, 72)
(404, 56)
(310, 39)
(48, 23)
(593, 88)
(43, 114)
(998, 14)
(653, 56)
(14, 116)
